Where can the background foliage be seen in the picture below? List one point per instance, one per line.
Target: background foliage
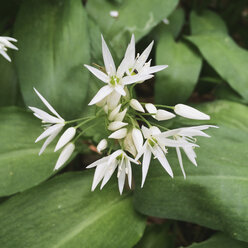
(205, 45)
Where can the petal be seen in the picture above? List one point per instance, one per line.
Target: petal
(189, 151)
(107, 58)
(99, 74)
(146, 132)
(98, 175)
(119, 89)
(64, 155)
(45, 116)
(154, 69)
(98, 162)
(120, 116)
(48, 104)
(65, 138)
(5, 55)
(129, 174)
(121, 180)
(116, 125)
(119, 134)
(102, 93)
(113, 99)
(109, 172)
(180, 161)
(145, 164)
(48, 141)
(143, 57)
(134, 79)
(49, 131)
(158, 153)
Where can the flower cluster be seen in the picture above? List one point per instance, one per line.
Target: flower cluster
(132, 129)
(5, 43)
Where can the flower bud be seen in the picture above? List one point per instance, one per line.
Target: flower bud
(119, 134)
(190, 113)
(120, 116)
(102, 145)
(135, 104)
(163, 115)
(115, 125)
(151, 108)
(114, 112)
(65, 138)
(137, 139)
(64, 155)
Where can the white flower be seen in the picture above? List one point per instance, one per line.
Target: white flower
(114, 13)
(5, 44)
(119, 134)
(102, 145)
(106, 166)
(115, 79)
(128, 143)
(53, 125)
(190, 113)
(185, 137)
(64, 155)
(135, 104)
(154, 146)
(65, 138)
(138, 65)
(158, 114)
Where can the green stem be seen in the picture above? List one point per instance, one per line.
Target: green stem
(143, 119)
(83, 118)
(84, 122)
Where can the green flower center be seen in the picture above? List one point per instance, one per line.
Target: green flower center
(114, 80)
(152, 142)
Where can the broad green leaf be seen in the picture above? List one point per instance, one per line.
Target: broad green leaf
(214, 193)
(208, 21)
(53, 46)
(221, 52)
(20, 165)
(176, 83)
(135, 17)
(219, 241)
(63, 212)
(176, 21)
(8, 83)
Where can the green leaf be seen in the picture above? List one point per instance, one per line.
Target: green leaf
(63, 212)
(219, 241)
(135, 17)
(20, 165)
(176, 21)
(8, 83)
(156, 236)
(53, 46)
(214, 193)
(221, 52)
(176, 83)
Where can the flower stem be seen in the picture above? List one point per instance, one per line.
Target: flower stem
(143, 119)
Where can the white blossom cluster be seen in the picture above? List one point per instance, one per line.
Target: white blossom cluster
(132, 129)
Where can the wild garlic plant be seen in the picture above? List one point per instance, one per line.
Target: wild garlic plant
(132, 129)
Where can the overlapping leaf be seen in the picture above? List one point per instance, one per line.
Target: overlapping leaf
(63, 212)
(221, 52)
(53, 46)
(176, 83)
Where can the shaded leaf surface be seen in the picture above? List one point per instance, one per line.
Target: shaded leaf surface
(53, 46)
(63, 212)
(214, 194)
(221, 52)
(219, 241)
(135, 17)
